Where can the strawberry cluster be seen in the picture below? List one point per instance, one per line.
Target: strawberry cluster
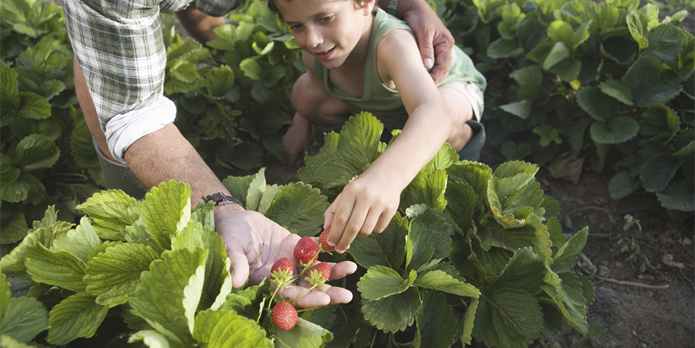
(282, 274)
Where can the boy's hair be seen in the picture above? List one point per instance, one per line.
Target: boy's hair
(271, 6)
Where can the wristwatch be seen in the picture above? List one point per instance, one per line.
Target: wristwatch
(220, 198)
(392, 8)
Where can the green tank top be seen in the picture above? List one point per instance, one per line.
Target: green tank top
(381, 100)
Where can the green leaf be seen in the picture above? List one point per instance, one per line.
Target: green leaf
(219, 80)
(217, 265)
(221, 329)
(250, 301)
(445, 157)
(597, 104)
(15, 230)
(547, 133)
(533, 234)
(21, 318)
(435, 226)
(34, 106)
(622, 185)
(665, 42)
(113, 275)
(561, 31)
(176, 273)
(528, 75)
(59, 268)
(617, 90)
(649, 93)
(381, 282)
(467, 322)
(558, 54)
(474, 174)
(300, 207)
(637, 24)
(150, 338)
(36, 151)
(111, 211)
(514, 313)
(382, 249)
(166, 210)
(304, 334)
(9, 94)
(185, 72)
(521, 109)
(435, 322)
(504, 48)
(427, 188)
(440, 280)
(251, 68)
(460, 196)
(659, 119)
(615, 131)
(344, 156)
(524, 271)
(9, 342)
(678, 196)
(238, 186)
(565, 289)
(419, 247)
(14, 262)
(393, 313)
(658, 171)
(78, 242)
(76, 316)
(563, 260)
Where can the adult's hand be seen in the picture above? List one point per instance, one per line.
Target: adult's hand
(249, 235)
(433, 38)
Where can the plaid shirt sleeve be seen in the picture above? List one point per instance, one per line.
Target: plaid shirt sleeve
(119, 46)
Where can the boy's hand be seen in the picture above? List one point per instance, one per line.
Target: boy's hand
(433, 38)
(366, 205)
(296, 140)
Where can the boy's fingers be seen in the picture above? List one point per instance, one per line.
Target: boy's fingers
(369, 223)
(358, 214)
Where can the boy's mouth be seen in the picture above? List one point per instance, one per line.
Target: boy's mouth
(323, 55)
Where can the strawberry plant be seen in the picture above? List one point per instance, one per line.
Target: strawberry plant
(233, 95)
(47, 155)
(472, 253)
(164, 277)
(570, 81)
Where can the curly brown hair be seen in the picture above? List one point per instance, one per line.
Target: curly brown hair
(271, 6)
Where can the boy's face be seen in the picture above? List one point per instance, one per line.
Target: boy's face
(328, 29)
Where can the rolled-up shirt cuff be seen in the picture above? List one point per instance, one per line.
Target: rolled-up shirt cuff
(125, 129)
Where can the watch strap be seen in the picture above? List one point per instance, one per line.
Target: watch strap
(392, 8)
(220, 198)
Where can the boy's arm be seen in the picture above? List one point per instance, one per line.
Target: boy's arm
(433, 38)
(368, 203)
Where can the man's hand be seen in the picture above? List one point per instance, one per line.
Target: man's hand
(248, 233)
(433, 38)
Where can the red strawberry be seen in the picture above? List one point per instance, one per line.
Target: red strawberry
(323, 241)
(319, 274)
(282, 269)
(306, 251)
(284, 316)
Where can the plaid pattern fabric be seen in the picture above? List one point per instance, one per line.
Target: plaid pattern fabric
(118, 44)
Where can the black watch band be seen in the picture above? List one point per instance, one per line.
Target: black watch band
(220, 198)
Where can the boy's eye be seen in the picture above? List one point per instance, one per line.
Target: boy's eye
(326, 19)
(296, 27)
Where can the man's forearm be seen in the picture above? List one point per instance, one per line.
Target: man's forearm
(165, 155)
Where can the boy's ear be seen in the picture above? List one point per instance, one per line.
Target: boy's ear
(368, 6)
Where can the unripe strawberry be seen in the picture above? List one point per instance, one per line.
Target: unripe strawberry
(323, 241)
(282, 269)
(284, 316)
(306, 251)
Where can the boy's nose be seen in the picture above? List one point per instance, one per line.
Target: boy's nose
(313, 39)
